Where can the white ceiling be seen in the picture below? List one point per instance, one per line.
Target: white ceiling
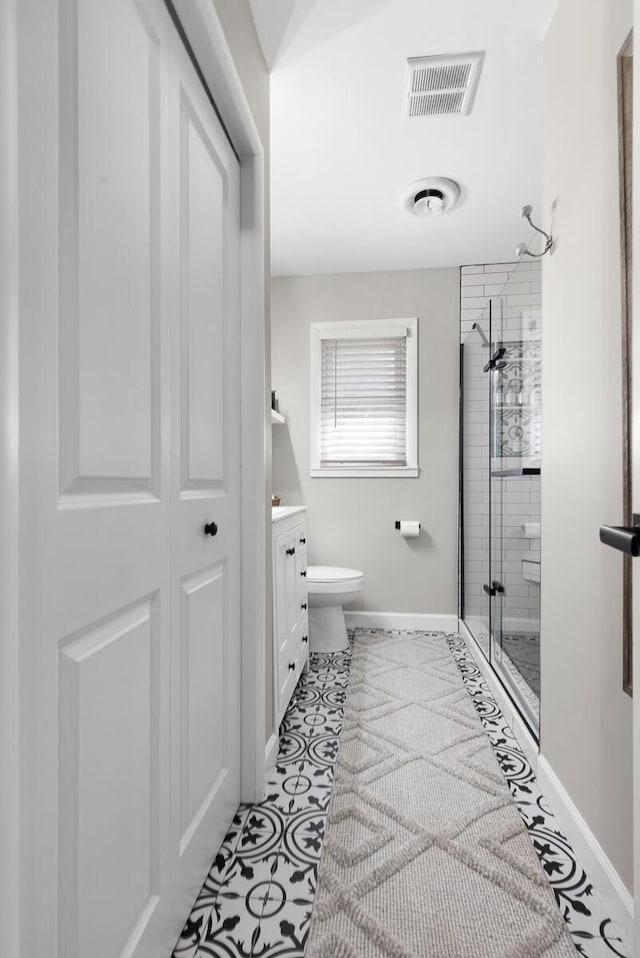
(341, 154)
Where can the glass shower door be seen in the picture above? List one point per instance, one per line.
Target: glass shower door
(495, 390)
(500, 429)
(474, 491)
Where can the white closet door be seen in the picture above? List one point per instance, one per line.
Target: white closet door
(205, 565)
(130, 683)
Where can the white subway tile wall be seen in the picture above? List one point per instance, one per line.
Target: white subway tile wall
(479, 283)
(516, 500)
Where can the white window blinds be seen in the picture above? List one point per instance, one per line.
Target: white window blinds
(363, 416)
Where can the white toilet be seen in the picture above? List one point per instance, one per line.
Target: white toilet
(329, 588)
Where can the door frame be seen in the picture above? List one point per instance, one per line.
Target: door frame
(205, 32)
(9, 478)
(635, 489)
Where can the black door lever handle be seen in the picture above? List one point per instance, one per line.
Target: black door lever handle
(496, 360)
(624, 538)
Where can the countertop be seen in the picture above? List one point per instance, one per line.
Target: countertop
(280, 512)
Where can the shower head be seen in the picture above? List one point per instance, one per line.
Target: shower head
(526, 212)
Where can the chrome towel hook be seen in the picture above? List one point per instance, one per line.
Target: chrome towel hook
(521, 248)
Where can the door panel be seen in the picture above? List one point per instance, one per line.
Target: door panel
(204, 694)
(110, 187)
(100, 501)
(291, 586)
(205, 211)
(109, 837)
(130, 614)
(204, 204)
(281, 569)
(475, 483)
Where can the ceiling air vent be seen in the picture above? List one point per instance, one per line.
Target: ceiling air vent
(437, 86)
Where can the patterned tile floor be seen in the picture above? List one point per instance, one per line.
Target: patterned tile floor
(510, 673)
(592, 931)
(258, 897)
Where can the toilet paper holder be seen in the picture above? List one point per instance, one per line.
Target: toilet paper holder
(398, 524)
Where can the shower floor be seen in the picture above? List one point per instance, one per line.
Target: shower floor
(523, 648)
(520, 660)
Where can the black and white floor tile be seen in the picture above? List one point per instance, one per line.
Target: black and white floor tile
(258, 897)
(589, 925)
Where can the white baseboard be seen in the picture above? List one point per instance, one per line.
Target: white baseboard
(270, 755)
(608, 885)
(527, 742)
(427, 622)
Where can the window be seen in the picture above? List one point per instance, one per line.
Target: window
(364, 398)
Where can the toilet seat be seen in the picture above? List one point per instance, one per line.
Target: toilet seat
(333, 580)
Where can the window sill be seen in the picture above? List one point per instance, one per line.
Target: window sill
(389, 472)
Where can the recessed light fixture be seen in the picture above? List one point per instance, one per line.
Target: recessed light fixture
(428, 203)
(431, 197)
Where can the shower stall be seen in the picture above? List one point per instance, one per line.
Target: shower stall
(500, 444)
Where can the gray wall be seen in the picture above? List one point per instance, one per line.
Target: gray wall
(586, 733)
(351, 521)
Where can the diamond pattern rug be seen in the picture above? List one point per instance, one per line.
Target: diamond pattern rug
(425, 852)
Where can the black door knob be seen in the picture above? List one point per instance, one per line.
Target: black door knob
(292, 666)
(304, 605)
(303, 574)
(210, 529)
(494, 589)
(305, 638)
(291, 552)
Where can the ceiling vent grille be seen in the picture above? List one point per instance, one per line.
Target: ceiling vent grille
(442, 85)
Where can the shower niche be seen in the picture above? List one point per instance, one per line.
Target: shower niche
(516, 438)
(500, 447)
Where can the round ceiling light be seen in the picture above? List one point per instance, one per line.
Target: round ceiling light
(431, 197)
(428, 203)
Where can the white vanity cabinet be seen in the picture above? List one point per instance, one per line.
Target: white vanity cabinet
(290, 615)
